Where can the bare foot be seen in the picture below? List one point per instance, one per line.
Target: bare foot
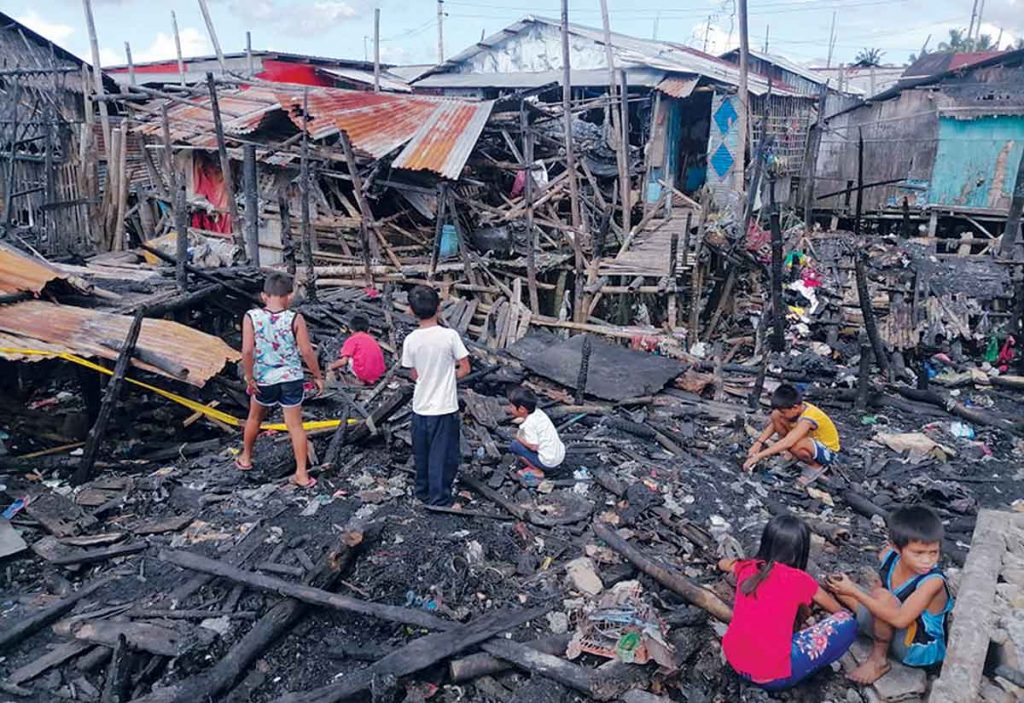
(870, 671)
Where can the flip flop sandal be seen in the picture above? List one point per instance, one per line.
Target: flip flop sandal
(311, 484)
(242, 467)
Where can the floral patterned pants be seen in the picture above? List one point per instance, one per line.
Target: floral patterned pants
(816, 647)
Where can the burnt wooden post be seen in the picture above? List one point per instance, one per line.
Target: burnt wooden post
(584, 372)
(1012, 228)
(307, 232)
(810, 165)
(860, 269)
(225, 165)
(778, 307)
(99, 428)
(531, 232)
(252, 216)
(863, 373)
(116, 685)
(287, 243)
(442, 207)
(905, 228)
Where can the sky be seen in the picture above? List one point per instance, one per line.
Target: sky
(797, 29)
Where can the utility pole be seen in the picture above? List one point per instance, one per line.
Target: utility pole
(440, 32)
(707, 31)
(654, 33)
(376, 50)
(970, 27)
(981, 11)
(248, 53)
(831, 40)
(767, 27)
(131, 65)
(742, 95)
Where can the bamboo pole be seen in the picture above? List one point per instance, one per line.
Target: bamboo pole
(97, 72)
(306, 231)
(177, 49)
(225, 166)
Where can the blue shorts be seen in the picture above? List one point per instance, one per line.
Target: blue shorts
(822, 454)
(288, 394)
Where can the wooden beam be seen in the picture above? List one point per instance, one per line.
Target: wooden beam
(13, 633)
(225, 163)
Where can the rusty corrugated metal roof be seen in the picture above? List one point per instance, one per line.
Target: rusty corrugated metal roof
(678, 86)
(443, 142)
(439, 132)
(20, 273)
(36, 324)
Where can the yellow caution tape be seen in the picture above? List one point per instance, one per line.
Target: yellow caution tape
(212, 413)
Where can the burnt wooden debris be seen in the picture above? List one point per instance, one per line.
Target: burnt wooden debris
(574, 257)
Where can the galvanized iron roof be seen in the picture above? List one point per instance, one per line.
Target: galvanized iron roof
(54, 328)
(22, 274)
(438, 133)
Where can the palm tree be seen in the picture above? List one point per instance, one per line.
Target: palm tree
(984, 43)
(958, 41)
(868, 57)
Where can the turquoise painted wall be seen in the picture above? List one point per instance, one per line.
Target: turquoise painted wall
(673, 130)
(977, 161)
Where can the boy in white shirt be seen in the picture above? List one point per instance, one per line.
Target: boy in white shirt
(438, 358)
(537, 443)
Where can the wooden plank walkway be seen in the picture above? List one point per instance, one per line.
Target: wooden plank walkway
(648, 253)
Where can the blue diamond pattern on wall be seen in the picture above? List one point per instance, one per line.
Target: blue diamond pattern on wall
(725, 115)
(722, 160)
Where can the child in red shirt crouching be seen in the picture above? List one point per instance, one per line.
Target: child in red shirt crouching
(361, 354)
(773, 594)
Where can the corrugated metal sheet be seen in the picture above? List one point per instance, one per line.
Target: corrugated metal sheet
(36, 324)
(242, 112)
(20, 273)
(629, 52)
(580, 78)
(388, 81)
(443, 142)
(678, 86)
(376, 123)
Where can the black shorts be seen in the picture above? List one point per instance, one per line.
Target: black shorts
(288, 394)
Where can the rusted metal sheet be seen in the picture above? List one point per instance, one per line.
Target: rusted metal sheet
(20, 273)
(443, 142)
(241, 110)
(678, 86)
(50, 327)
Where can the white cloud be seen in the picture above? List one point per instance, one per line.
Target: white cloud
(711, 38)
(109, 57)
(299, 18)
(193, 43)
(54, 31)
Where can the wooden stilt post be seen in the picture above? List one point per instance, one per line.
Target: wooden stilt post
(225, 167)
(307, 232)
(287, 243)
(252, 216)
(532, 240)
(366, 215)
(178, 205)
(177, 49)
(97, 74)
(778, 307)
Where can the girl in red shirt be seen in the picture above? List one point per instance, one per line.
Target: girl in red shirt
(773, 596)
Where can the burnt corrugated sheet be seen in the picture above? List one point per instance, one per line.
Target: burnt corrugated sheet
(22, 274)
(82, 331)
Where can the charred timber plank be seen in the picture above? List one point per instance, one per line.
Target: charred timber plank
(421, 653)
(216, 681)
(546, 665)
(664, 575)
(54, 657)
(307, 594)
(969, 637)
(484, 664)
(110, 395)
(16, 632)
(93, 555)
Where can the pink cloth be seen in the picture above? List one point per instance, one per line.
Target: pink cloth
(367, 358)
(759, 640)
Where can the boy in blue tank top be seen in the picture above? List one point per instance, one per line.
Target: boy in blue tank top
(907, 611)
(275, 342)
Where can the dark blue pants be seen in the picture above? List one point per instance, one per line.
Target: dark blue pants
(435, 448)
